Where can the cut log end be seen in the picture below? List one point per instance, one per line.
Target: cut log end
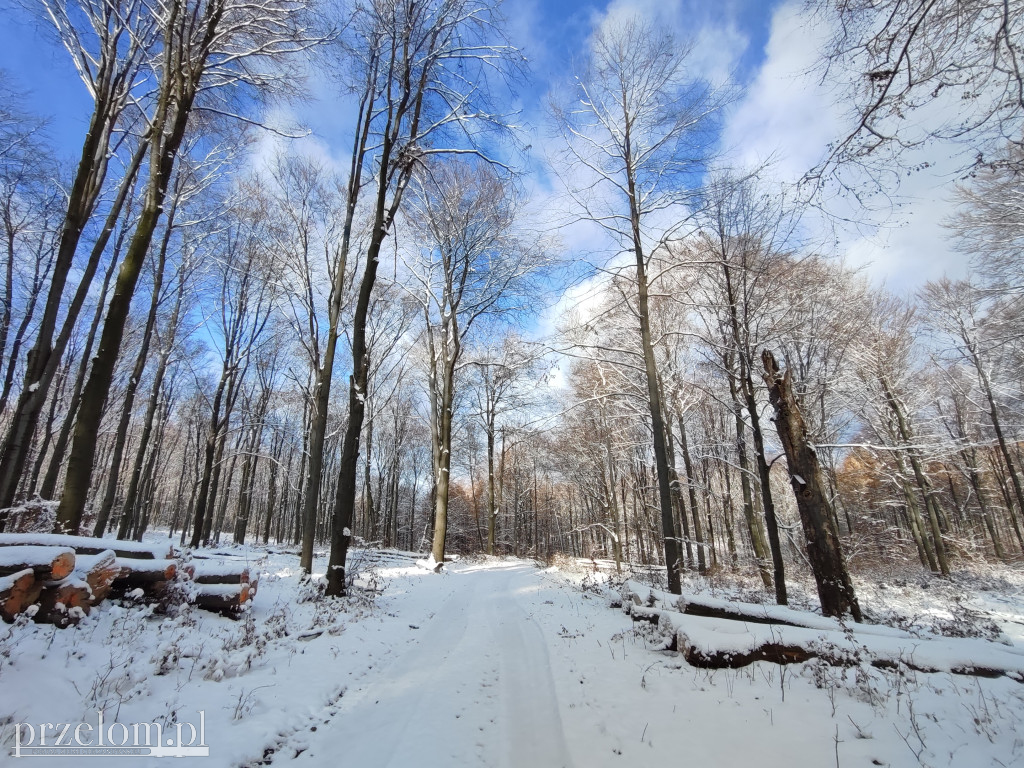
(19, 591)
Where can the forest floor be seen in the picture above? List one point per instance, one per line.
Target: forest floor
(501, 662)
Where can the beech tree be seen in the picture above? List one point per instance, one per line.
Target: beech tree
(426, 68)
(637, 127)
(244, 294)
(206, 45)
(889, 398)
(474, 263)
(957, 311)
(110, 42)
(899, 57)
(496, 375)
(316, 233)
(30, 212)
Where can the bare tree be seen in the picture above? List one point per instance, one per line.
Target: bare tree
(497, 375)
(638, 127)
(317, 226)
(426, 68)
(206, 47)
(989, 226)
(902, 55)
(245, 300)
(473, 262)
(30, 212)
(966, 319)
(109, 42)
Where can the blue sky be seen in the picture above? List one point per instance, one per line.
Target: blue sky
(764, 45)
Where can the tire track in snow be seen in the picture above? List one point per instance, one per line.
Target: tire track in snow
(475, 689)
(533, 728)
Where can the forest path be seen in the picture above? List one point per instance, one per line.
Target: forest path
(472, 687)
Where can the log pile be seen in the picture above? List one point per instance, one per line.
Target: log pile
(222, 587)
(57, 579)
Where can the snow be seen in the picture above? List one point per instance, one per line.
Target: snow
(943, 655)
(219, 568)
(153, 549)
(496, 662)
(85, 563)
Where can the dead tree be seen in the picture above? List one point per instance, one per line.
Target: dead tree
(835, 590)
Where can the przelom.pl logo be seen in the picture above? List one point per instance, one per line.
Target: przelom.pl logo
(111, 739)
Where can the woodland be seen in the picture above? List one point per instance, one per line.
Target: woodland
(401, 350)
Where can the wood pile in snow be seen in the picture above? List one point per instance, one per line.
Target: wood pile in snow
(57, 579)
(225, 587)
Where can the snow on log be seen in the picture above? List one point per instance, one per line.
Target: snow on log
(63, 602)
(48, 563)
(716, 644)
(99, 572)
(86, 545)
(754, 613)
(732, 635)
(17, 592)
(206, 572)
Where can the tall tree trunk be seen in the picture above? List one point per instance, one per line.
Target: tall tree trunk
(210, 454)
(690, 484)
(121, 435)
(44, 357)
(131, 495)
(492, 507)
(754, 526)
(344, 503)
(671, 545)
(930, 500)
(60, 447)
(764, 476)
(83, 446)
(835, 589)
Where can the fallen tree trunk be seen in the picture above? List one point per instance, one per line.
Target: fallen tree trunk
(776, 652)
(785, 653)
(217, 573)
(17, 592)
(717, 634)
(48, 563)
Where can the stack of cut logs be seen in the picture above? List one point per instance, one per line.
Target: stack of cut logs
(224, 587)
(65, 576)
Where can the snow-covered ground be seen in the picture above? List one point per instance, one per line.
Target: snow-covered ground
(501, 663)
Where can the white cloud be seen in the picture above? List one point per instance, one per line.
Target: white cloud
(789, 117)
(786, 114)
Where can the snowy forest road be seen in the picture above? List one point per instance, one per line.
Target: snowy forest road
(501, 664)
(473, 688)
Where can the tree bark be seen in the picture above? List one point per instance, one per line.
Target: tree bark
(691, 487)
